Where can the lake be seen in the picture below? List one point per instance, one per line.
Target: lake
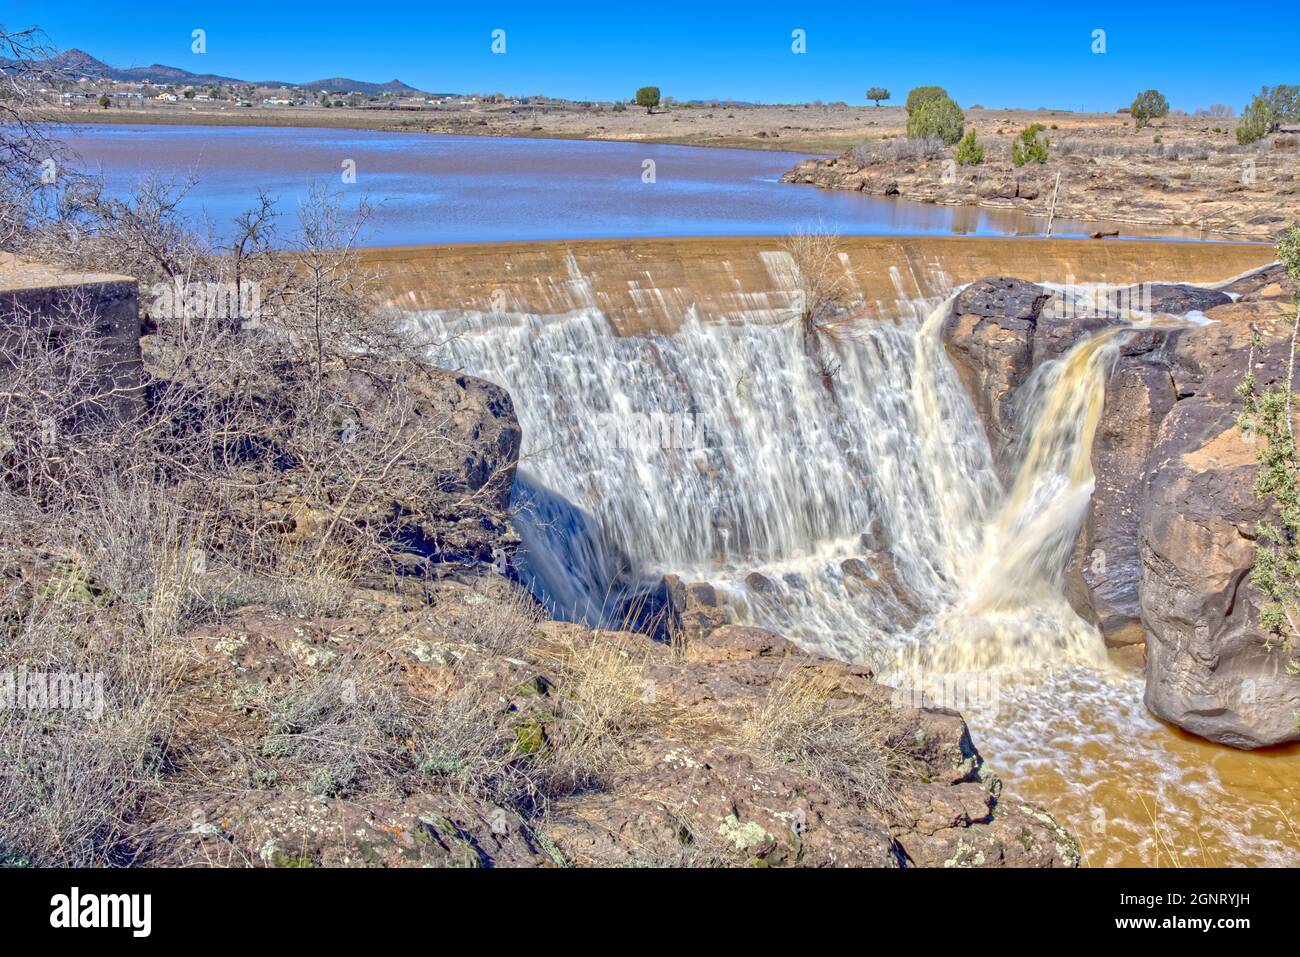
(461, 189)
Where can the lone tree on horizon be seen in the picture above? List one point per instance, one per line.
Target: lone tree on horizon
(1149, 105)
(648, 96)
(878, 93)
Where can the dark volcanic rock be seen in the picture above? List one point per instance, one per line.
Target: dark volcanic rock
(990, 339)
(999, 330)
(1003, 299)
(1178, 299)
(1139, 395)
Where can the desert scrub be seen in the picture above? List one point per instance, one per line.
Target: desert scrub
(970, 151)
(1028, 148)
(602, 699)
(896, 150)
(1267, 414)
(353, 731)
(82, 755)
(938, 117)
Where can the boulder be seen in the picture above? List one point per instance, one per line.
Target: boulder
(990, 339)
(1210, 669)
(1107, 566)
(1167, 547)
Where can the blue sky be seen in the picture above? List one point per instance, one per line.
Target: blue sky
(1021, 55)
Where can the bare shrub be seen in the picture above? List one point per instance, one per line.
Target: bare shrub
(353, 732)
(821, 296)
(898, 150)
(29, 158)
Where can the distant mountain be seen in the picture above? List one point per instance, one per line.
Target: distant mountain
(76, 64)
(339, 84)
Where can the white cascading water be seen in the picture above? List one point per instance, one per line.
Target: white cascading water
(863, 520)
(788, 476)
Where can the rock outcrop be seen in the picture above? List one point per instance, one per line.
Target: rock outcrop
(442, 499)
(1127, 184)
(1209, 668)
(1167, 547)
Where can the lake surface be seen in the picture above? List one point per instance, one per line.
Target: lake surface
(456, 189)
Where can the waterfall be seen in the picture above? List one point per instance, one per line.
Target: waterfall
(863, 520)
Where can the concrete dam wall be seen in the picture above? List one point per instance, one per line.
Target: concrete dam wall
(652, 284)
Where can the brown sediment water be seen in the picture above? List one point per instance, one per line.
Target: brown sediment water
(790, 476)
(1136, 792)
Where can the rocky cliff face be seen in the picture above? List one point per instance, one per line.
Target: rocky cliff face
(1167, 547)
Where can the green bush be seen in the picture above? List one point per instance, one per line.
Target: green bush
(1256, 120)
(940, 118)
(970, 151)
(1268, 111)
(1267, 415)
(1028, 148)
(648, 96)
(1149, 105)
(1283, 103)
(922, 95)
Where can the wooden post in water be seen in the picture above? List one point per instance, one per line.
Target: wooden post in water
(1051, 215)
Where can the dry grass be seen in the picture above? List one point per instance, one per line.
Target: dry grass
(839, 743)
(603, 698)
(109, 612)
(898, 149)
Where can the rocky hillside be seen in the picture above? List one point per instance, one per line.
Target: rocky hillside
(1168, 545)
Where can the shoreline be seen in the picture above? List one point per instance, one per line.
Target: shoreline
(118, 117)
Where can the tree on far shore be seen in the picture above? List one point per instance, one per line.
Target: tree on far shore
(648, 96)
(878, 93)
